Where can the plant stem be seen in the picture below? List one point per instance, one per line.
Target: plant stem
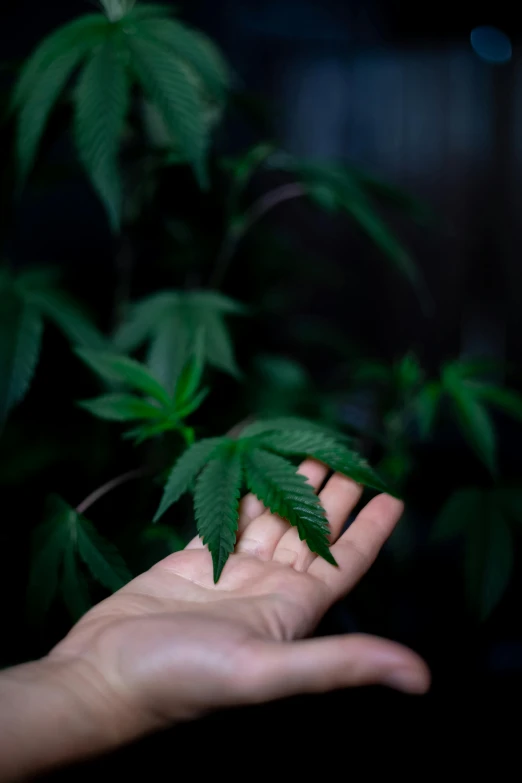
(252, 216)
(108, 487)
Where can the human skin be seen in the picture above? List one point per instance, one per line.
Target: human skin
(172, 646)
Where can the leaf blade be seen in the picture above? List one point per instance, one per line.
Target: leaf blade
(101, 557)
(101, 104)
(20, 342)
(112, 367)
(121, 407)
(216, 504)
(186, 470)
(167, 85)
(287, 493)
(327, 450)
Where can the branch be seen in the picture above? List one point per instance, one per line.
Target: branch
(108, 487)
(252, 216)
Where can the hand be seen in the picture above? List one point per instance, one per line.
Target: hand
(172, 645)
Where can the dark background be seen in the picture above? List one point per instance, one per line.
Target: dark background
(396, 88)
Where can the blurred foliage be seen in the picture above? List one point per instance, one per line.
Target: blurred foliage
(141, 97)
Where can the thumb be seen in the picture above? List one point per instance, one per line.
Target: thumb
(319, 665)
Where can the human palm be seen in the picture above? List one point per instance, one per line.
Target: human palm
(172, 645)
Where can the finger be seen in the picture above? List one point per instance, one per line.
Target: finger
(280, 669)
(340, 495)
(358, 547)
(250, 508)
(262, 535)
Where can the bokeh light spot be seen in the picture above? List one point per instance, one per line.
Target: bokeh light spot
(491, 44)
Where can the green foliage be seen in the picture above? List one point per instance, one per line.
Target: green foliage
(336, 187)
(186, 470)
(217, 465)
(101, 103)
(63, 540)
(485, 519)
(165, 411)
(216, 500)
(170, 322)
(25, 301)
(285, 492)
(175, 66)
(20, 340)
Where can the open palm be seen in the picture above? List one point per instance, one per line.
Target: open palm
(172, 645)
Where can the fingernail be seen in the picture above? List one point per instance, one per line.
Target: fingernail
(407, 680)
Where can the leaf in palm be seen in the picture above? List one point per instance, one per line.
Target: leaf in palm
(216, 501)
(268, 474)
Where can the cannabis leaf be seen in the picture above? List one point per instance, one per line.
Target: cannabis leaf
(20, 340)
(285, 492)
(101, 101)
(176, 67)
(186, 471)
(484, 518)
(158, 411)
(60, 542)
(335, 187)
(215, 470)
(171, 322)
(25, 302)
(216, 499)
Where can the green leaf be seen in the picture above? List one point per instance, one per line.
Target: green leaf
(74, 587)
(186, 470)
(80, 35)
(168, 85)
(213, 300)
(121, 407)
(291, 423)
(67, 316)
(488, 561)
(190, 377)
(169, 349)
(191, 47)
(20, 342)
(475, 424)
(327, 450)
(143, 320)
(426, 405)
(101, 557)
(38, 104)
(170, 322)
(112, 367)
(220, 352)
(49, 543)
(460, 512)
(409, 373)
(188, 408)
(507, 400)
(101, 103)
(243, 169)
(285, 492)
(216, 503)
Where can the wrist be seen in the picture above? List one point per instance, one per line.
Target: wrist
(55, 711)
